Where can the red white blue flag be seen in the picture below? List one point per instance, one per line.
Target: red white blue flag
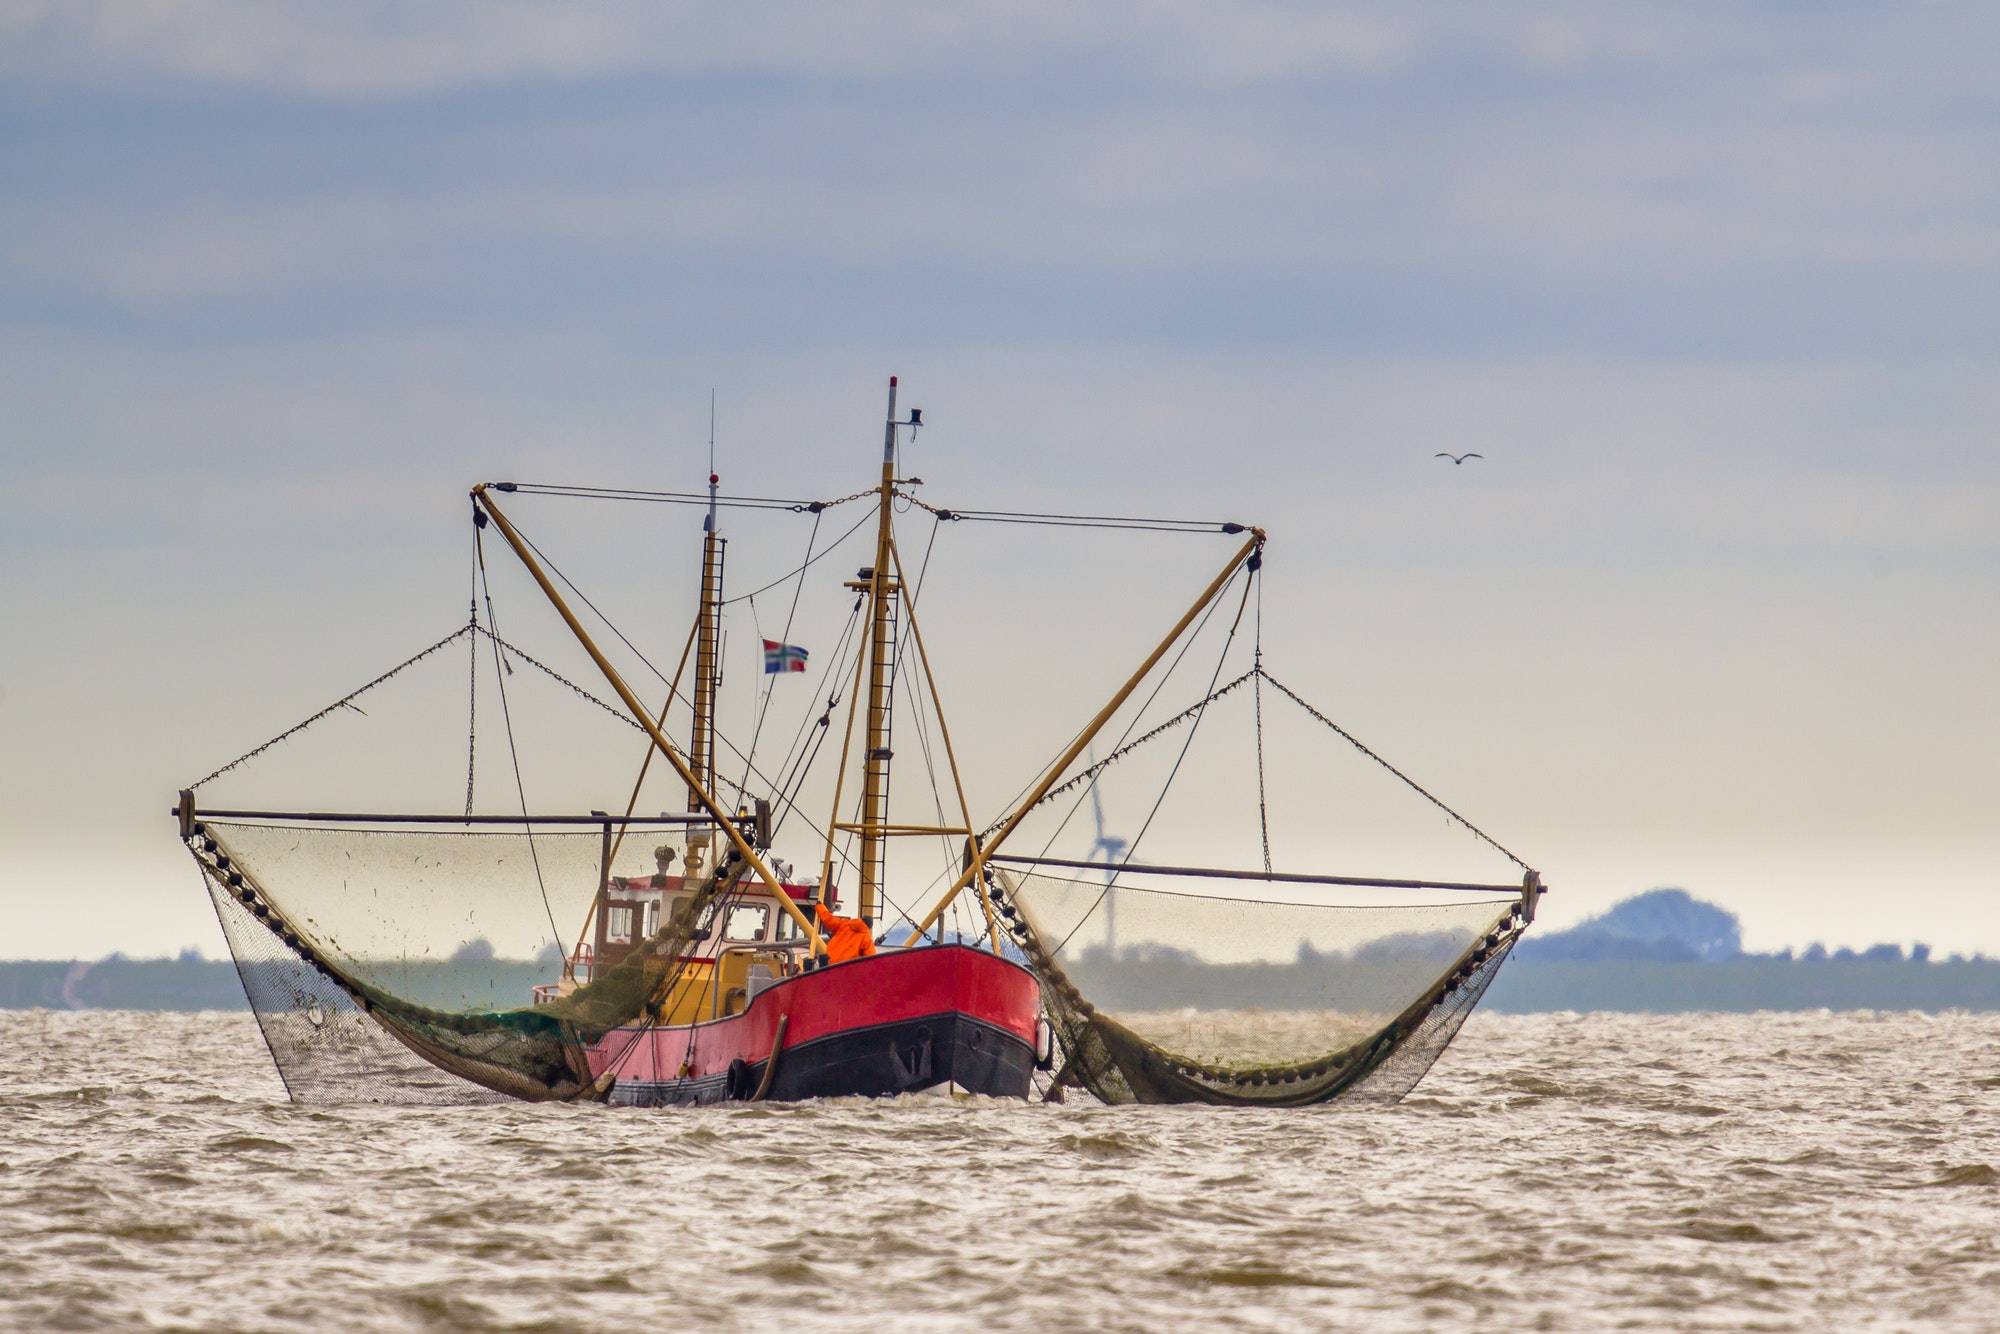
(783, 657)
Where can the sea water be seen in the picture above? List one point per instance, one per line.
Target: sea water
(1562, 1172)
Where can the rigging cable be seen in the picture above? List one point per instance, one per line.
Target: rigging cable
(648, 662)
(646, 764)
(794, 749)
(472, 678)
(818, 506)
(559, 678)
(937, 707)
(700, 498)
(1257, 694)
(1112, 521)
(916, 700)
(1350, 738)
(784, 638)
(810, 561)
(1187, 643)
(1090, 774)
(506, 715)
(800, 756)
(1132, 848)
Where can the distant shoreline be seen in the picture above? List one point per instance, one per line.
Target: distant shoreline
(1743, 986)
(1524, 986)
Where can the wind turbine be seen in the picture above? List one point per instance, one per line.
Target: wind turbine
(1114, 853)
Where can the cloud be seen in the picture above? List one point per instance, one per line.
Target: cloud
(376, 50)
(1420, 178)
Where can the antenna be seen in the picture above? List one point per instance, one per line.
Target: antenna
(708, 524)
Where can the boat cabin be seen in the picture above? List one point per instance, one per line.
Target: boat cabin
(748, 942)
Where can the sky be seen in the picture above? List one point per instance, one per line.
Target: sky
(1711, 288)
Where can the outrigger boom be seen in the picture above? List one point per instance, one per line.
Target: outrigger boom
(643, 716)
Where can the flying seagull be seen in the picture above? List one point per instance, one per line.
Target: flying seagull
(1458, 458)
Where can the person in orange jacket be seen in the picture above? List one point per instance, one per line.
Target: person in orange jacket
(846, 937)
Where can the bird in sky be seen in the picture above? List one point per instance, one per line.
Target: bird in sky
(1458, 458)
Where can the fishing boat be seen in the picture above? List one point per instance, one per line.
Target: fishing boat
(713, 971)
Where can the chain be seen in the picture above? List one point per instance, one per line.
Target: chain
(1090, 773)
(345, 701)
(551, 672)
(817, 506)
(472, 709)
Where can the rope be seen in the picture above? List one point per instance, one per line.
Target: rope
(1412, 783)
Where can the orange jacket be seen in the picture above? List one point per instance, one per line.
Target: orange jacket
(846, 937)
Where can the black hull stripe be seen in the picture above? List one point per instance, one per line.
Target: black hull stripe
(881, 1060)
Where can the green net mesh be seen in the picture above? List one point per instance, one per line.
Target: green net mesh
(1162, 996)
(364, 949)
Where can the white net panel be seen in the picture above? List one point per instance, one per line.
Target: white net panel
(363, 948)
(1168, 996)
(326, 1047)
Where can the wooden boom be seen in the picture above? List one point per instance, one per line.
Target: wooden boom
(976, 863)
(644, 717)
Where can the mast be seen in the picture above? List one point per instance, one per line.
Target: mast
(883, 594)
(707, 660)
(883, 585)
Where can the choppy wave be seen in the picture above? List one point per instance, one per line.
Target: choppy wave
(1777, 1172)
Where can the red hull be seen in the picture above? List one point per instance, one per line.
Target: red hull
(896, 1021)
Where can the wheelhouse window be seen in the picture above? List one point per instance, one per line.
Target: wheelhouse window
(747, 922)
(788, 929)
(618, 923)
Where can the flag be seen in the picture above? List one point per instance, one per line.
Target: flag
(783, 657)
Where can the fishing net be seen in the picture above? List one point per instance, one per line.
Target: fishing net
(1163, 996)
(362, 949)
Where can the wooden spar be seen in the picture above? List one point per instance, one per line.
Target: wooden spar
(644, 717)
(875, 754)
(355, 817)
(951, 759)
(977, 862)
(1274, 877)
(895, 830)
